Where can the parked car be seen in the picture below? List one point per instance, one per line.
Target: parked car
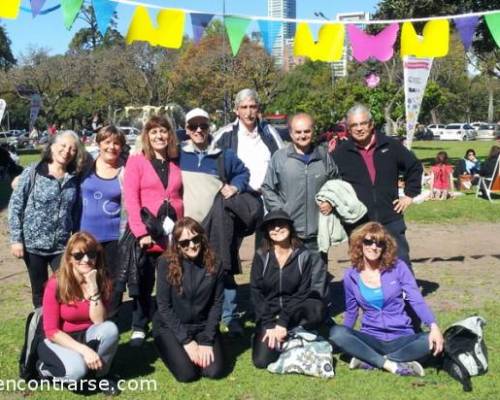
(487, 132)
(423, 133)
(8, 138)
(436, 129)
(458, 132)
(477, 124)
(130, 133)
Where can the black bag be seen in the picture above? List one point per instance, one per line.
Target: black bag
(33, 335)
(465, 352)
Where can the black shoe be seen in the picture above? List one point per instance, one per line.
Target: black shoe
(109, 387)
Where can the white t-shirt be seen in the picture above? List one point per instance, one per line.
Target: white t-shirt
(254, 154)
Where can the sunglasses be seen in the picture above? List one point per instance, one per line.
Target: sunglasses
(194, 127)
(78, 256)
(194, 240)
(370, 242)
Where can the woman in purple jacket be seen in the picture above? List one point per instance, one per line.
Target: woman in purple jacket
(378, 283)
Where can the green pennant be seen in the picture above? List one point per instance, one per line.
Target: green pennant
(236, 28)
(70, 10)
(493, 22)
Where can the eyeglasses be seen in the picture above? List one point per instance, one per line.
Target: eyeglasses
(195, 240)
(194, 127)
(370, 242)
(362, 124)
(78, 256)
(306, 131)
(271, 225)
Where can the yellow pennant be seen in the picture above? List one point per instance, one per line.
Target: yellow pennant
(330, 44)
(169, 32)
(9, 8)
(434, 43)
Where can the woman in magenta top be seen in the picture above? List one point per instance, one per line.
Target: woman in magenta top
(77, 337)
(152, 180)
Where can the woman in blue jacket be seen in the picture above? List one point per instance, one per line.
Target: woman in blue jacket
(378, 283)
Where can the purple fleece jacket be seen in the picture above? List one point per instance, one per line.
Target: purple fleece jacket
(391, 321)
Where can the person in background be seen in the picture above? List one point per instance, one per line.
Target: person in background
(441, 177)
(469, 165)
(489, 164)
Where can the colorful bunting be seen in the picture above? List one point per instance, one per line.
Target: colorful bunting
(42, 12)
(493, 22)
(9, 8)
(236, 28)
(379, 46)
(104, 10)
(36, 7)
(270, 31)
(330, 44)
(466, 27)
(70, 10)
(434, 42)
(168, 34)
(200, 23)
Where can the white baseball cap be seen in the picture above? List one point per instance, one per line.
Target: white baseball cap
(196, 112)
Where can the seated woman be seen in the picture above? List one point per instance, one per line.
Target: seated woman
(489, 164)
(376, 284)
(77, 337)
(189, 294)
(441, 177)
(469, 165)
(282, 293)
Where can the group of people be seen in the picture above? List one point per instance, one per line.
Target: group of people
(187, 208)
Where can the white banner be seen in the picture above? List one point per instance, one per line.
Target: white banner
(416, 73)
(3, 105)
(36, 104)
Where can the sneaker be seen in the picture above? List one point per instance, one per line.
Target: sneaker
(412, 368)
(235, 329)
(358, 364)
(137, 338)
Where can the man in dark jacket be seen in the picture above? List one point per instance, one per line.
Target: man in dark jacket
(372, 162)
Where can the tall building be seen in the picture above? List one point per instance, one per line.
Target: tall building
(282, 9)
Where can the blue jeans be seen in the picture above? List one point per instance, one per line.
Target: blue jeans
(230, 303)
(375, 351)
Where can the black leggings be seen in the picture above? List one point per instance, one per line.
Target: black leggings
(180, 365)
(309, 315)
(112, 258)
(37, 271)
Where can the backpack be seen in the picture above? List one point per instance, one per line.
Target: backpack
(33, 335)
(465, 352)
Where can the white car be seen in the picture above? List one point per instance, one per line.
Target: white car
(130, 133)
(458, 132)
(487, 132)
(436, 129)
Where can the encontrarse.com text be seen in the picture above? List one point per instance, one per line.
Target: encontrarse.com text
(20, 385)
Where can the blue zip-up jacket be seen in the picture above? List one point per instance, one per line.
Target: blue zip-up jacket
(391, 321)
(45, 221)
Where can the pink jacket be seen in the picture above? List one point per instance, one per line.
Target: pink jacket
(143, 188)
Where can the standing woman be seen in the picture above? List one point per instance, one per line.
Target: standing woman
(378, 283)
(101, 197)
(282, 293)
(189, 294)
(43, 208)
(78, 338)
(152, 179)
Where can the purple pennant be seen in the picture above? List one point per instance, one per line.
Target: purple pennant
(466, 27)
(36, 7)
(200, 22)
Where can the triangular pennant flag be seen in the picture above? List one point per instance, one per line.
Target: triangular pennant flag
(434, 43)
(200, 23)
(379, 46)
(9, 8)
(466, 27)
(236, 28)
(168, 34)
(70, 10)
(36, 7)
(270, 31)
(493, 22)
(330, 44)
(104, 10)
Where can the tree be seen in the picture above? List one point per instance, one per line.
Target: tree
(7, 59)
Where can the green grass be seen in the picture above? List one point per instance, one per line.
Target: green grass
(426, 150)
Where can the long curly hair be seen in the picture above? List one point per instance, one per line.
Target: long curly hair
(68, 286)
(377, 232)
(77, 164)
(175, 257)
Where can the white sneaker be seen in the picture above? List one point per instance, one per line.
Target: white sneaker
(137, 338)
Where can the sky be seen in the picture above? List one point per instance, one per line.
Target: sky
(48, 31)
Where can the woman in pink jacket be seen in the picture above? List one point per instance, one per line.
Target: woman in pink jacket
(152, 181)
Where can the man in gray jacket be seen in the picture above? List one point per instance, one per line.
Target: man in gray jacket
(294, 176)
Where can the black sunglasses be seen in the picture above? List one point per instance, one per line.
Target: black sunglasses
(78, 256)
(185, 243)
(194, 127)
(370, 242)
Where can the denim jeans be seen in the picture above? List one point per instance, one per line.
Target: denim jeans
(230, 300)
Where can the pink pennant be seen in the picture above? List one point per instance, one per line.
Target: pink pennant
(379, 46)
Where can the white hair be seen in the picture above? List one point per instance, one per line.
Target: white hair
(245, 94)
(359, 109)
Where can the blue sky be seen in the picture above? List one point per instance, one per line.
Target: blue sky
(48, 30)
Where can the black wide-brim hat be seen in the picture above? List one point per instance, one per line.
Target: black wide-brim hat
(276, 215)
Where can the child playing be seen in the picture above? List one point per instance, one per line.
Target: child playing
(441, 177)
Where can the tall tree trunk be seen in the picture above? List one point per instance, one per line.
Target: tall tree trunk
(490, 103)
